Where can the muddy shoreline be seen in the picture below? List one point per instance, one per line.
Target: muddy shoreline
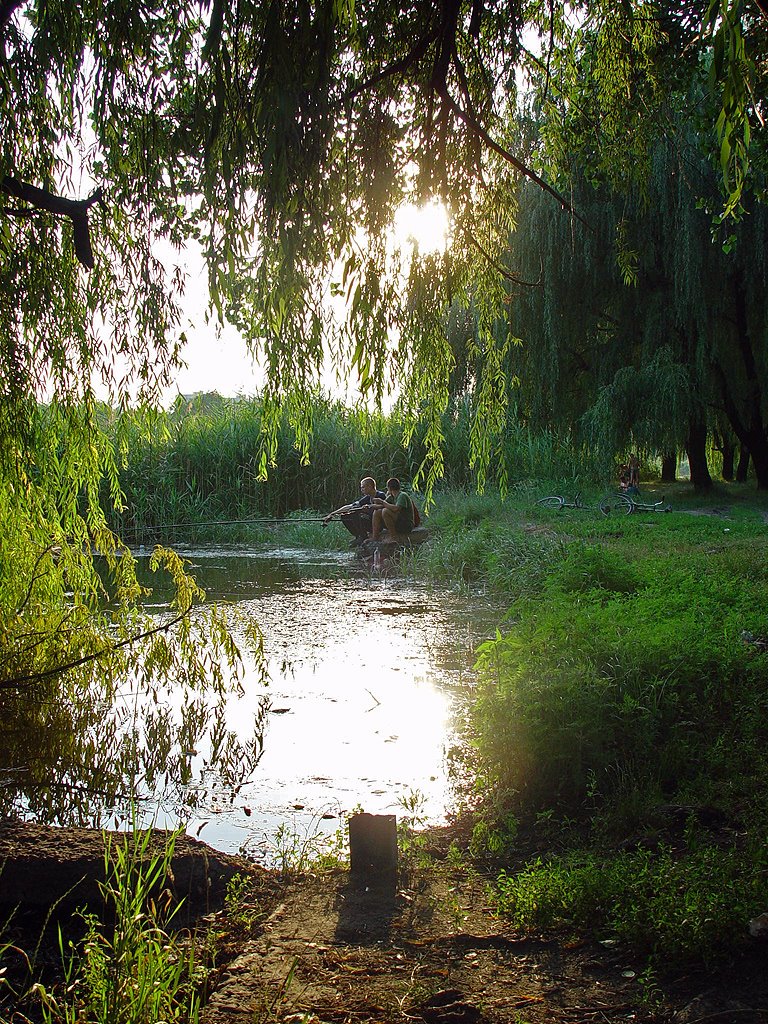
(427, 946)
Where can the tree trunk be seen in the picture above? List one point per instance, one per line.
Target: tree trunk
(729, 454)
(742, 469)
(749, 426)
(756, 444)
(758, 449)
(696, 447)
(669, 467)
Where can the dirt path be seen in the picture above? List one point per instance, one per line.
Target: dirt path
(719, 512)
(431, 951)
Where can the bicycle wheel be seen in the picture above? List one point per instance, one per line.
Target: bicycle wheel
(554, 501)
(615, 504)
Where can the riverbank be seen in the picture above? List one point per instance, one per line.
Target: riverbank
(619, 732)
(428, 947)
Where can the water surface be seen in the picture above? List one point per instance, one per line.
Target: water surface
(364, 674)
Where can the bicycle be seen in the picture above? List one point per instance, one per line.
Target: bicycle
(556, 502)
(625, 504)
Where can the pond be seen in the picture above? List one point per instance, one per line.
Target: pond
(359, 709)
(365, 670)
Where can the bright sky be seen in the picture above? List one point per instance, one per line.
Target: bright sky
(218, 360)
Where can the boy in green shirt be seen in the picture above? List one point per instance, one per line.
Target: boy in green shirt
(393, 513)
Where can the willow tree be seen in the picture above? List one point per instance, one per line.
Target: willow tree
(282, 137)
(602, 357)
(279, 138)
(645, 327)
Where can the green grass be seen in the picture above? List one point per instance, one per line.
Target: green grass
(623, 657)
(671, 907)
(620, 683)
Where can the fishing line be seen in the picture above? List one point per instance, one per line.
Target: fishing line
(226, 522)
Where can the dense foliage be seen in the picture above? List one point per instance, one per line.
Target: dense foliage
(657, 345)
(620, 716)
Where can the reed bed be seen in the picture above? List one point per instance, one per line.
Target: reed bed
(198, 463)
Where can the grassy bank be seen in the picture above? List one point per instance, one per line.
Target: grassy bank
(621, 713)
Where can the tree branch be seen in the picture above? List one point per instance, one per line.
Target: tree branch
(550, 50)
(446, 50)
(506, 274)
(464, 86)
(395, 67)
(75, 209)
(445, 35)
(36, 677)
(475, 19)
(32, 582)
(476, 127)
(7, 7)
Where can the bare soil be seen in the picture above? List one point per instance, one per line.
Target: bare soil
(428, 947)
(430, 950)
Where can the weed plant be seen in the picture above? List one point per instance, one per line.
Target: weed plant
(670, 907)
(133, 970)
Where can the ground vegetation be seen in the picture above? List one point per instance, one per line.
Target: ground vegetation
(619, 713)
(612, 795)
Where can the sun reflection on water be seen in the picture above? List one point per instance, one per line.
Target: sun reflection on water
(363, 678)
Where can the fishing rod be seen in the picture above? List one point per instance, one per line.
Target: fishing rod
(159, 528)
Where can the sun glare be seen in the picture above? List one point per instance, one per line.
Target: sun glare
(423, 227)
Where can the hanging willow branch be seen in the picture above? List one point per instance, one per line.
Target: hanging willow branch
(506, 274)
(35, 576)
(35, 677)
(478, 129)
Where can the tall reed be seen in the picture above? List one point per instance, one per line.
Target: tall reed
(198, 462)
(134, 970)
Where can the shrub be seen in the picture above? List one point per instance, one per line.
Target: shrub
(595, 687)
(695, 906)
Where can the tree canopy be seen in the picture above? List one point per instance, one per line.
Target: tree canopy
(646, 329)
(280, 136)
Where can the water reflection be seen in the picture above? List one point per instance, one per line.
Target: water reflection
(364, 672)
